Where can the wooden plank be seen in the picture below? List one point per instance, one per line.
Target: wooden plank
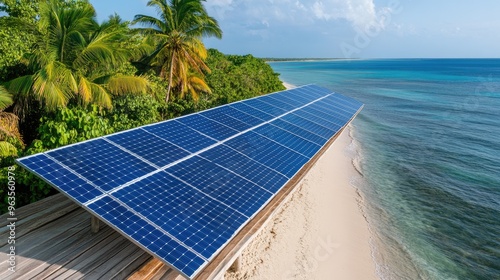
(161, 273)
(128, 265)
(38, 219)
(28, 212)
(49, 231)
(148, 270)
(59, 256)
(128, 251)
(84, 262)
(40, 244)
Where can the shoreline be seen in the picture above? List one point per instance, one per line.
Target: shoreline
(321, 232)
(288, 85)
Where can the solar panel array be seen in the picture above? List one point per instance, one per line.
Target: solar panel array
(183, 188)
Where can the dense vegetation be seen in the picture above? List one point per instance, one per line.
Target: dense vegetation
(66, 78)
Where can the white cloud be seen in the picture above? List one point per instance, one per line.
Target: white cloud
(359, 13)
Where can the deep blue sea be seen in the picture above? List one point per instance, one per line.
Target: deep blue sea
(428, 148)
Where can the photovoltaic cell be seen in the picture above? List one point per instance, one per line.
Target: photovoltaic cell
(183, 136)
(251, 111)
(296, 94)
(300, 131)
(327, 116)
(257, 147)
(304, 113)
(289, 140)
(182, 189)
(335, 105)
(191, 216)
(221, 184)
(223, 118)
(208, 127)
(317, 91)
(67, 182)
(102, 163)
(297, 119)
(149, 236)
(246, 167)
(294, 102)
(278, 103)
(348, 100)
(239, 115)
(265, 107)
(150, 147)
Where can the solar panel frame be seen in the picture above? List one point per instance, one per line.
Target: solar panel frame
(222, 160)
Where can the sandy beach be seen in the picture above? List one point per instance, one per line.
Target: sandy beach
(320, 233)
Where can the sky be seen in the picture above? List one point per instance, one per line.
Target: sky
(345, 28)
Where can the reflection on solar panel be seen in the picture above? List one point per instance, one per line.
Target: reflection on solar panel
(182, 189)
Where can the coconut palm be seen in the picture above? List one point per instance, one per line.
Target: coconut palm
(75, 58)
(8, 125)
(180, 52)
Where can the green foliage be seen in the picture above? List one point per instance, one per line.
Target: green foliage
(236, 77)
(15, 41)
(132, 111)
(63, 127)
(24, 9)
(10, 138)
(70, 125)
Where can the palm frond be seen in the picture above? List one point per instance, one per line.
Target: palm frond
(122, 84)
(5, 98)
(21, 88)
(96, 52)
(100, 96)
(151, 22)
(54, 85)
(89, 91)
(7, 149)
(85, 90)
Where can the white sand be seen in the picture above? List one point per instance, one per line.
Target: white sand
(288, 86)
(320, 233)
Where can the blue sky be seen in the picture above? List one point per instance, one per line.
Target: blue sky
(345, 28)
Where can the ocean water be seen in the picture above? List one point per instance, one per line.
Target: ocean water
(427, 145)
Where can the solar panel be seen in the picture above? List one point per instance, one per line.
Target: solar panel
(183, 136)
(183, 188)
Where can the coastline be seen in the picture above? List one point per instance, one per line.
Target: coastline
(288, 86)
(320, 233)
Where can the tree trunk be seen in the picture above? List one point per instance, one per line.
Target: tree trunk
(170, 77)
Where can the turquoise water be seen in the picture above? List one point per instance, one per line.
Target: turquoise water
(428, 148)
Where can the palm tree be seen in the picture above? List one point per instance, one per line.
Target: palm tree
(180, 53)
(75, 58)
(8, 125)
